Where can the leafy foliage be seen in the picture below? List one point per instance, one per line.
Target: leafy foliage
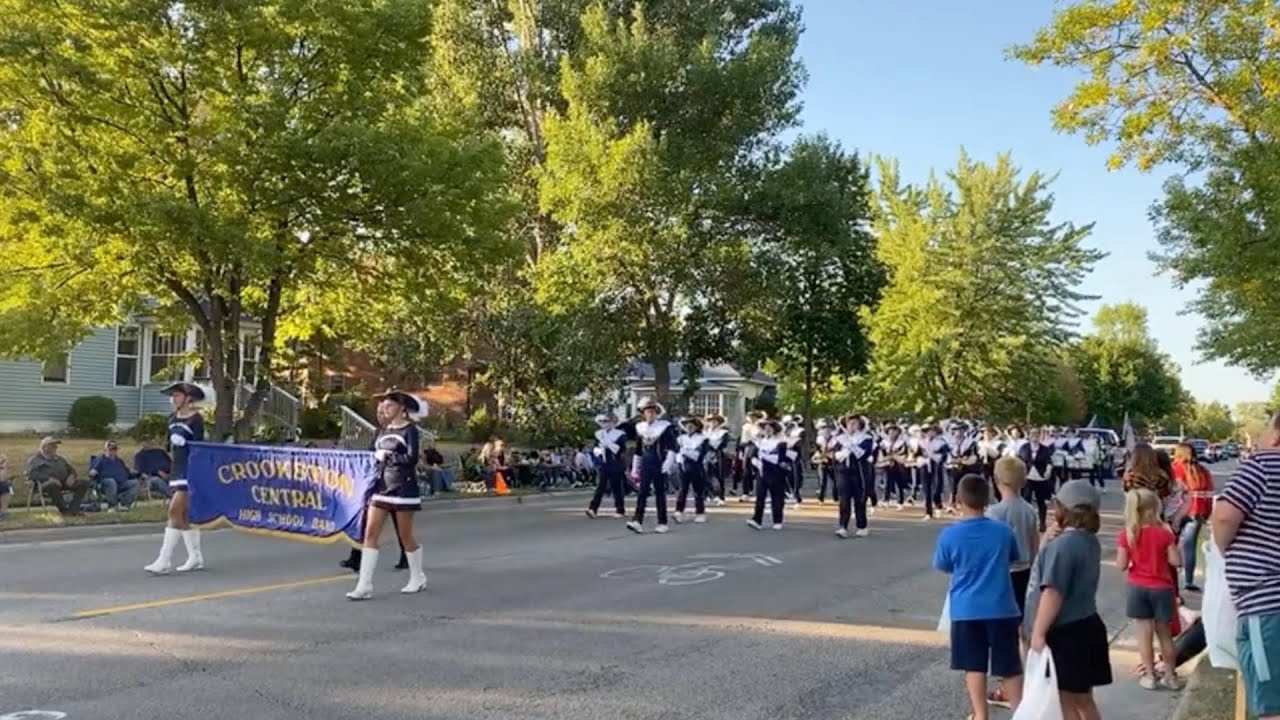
(661, 104)
(981, 291)
(1167, 79)
(1212, 421)
(1123, 371)
(815, 259)
(1223, 237)
(222, 161)
(152, 426)
(92, 416)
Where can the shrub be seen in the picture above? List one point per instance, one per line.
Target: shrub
(150, 427)
(92, 415)
(479, 427)
(320, 422)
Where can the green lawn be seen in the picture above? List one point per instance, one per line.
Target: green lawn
(20, 519)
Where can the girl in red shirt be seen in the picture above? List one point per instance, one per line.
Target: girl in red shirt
(1196, 483)
(1148, 551)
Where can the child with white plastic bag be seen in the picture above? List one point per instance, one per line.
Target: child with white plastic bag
(1068, 638)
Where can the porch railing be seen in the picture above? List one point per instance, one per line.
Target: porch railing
(356, 433)
(279, 408)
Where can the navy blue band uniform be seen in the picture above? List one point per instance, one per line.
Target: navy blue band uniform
(396, 488)
(190, 429)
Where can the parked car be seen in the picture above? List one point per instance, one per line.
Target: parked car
(1166, 442)
(1228, 450)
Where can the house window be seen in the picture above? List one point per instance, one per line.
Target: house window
(168, 352)
(56, 369)
(127, 352)
(249, 349)
(703, 404)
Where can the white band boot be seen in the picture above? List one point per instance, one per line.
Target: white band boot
(195, 560)
(364, 584)
(417, 576)
(163, 564)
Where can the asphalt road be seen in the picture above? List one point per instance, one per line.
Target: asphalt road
(532, 611)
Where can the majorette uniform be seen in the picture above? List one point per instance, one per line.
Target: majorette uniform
(182, 431)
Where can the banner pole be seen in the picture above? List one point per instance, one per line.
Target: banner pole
(1242, 708)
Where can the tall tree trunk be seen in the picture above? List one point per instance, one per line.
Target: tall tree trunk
(807, 403)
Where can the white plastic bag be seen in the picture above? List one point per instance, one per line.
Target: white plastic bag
(1040, 689)
(1218, 612)
(944, 622)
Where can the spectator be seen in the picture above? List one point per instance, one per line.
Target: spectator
(1246, 523)
(6, 489)
(1147, 552)
(1011, 476)
(1144, 471)
(152, 465)
(1196, 483)
(436, 470)
(113, 479)
(51, 472)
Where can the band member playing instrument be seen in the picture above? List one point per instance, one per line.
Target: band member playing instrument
(895, 456)
(793, 434)
(186, 425)
(610, 440)
(395, 491)
(656, 456)
(747, 454)
(823, 460)
(693, 452)
(856, 448)
(990, 449)
(965, 460)
(936, 453)
(717, 461)
(771, 452)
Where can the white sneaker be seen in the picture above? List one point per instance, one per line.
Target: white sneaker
(718, 502)
(699, 519)
(862, 533)
(591, 513)
(620, 516)
(660, 529)
(635, 527)
(751, 523)
(744, 498)
(842, 533)
(679, 518)
(777, 526)
(795, 503)
(926, 518)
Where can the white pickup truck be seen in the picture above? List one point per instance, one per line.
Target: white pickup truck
(1166, 443)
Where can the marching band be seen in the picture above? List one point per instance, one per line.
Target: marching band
(858, 461)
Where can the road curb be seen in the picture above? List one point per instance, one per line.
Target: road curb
(1193, 684)
(108, 530)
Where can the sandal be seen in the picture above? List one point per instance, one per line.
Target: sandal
(998, 698)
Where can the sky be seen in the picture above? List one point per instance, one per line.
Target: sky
(917, 80)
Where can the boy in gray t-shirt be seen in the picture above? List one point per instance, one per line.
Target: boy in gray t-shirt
(1010, 476)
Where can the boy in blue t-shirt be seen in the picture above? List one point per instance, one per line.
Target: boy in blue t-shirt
(977, 552)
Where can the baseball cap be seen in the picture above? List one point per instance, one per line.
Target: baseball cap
(1079, 492)
(50, 440)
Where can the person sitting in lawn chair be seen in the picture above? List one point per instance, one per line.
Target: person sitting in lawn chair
(152, 465)
(114, 481)
(53, 475)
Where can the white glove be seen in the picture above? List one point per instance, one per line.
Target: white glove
(598, 452)
(842, 455)
(612, 448)
(669, 465)
(381, 454)
(177, 439)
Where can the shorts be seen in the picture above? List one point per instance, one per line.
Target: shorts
(1144, 603)
(979, 645)
(1021, 579)
(5, 488)
(1081, 654)
(1260, 673)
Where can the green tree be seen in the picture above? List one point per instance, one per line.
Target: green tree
(1251, 419)
(981, 290)
(1166, 79)
(663, 106)
(1212, 421)
(1122, 371)
(216, 162)
(1221, 238)
(816, 257)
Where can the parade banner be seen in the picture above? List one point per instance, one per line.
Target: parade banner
(296, 493)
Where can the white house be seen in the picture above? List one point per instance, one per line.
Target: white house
(720, 388)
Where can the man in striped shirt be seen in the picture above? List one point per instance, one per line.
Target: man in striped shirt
(1246, 525)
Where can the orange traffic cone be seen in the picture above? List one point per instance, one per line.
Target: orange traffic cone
(500, 484)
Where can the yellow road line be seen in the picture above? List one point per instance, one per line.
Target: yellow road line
(251, 590)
